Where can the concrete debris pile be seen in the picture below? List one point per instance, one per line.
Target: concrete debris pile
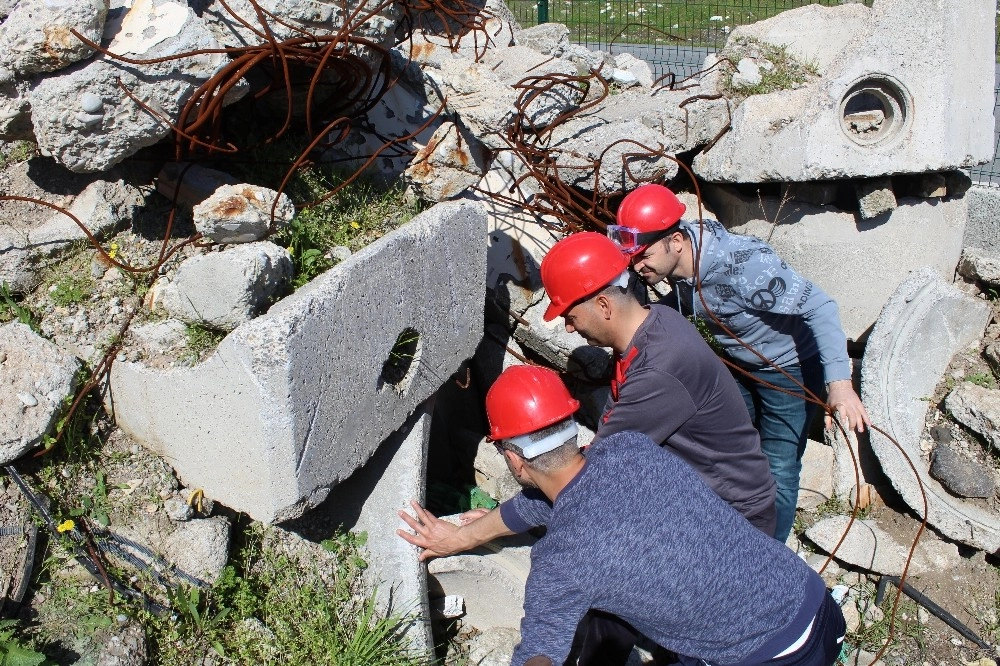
(851, 169)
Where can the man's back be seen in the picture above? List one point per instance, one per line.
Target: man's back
(637, 534)
(673, 388)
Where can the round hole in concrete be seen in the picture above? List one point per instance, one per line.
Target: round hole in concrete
(874, 110)
(401, 365)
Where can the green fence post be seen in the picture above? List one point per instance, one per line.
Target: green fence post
(543, 11)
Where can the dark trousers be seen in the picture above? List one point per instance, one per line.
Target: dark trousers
(603, 639)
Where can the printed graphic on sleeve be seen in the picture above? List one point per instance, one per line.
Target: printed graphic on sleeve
(765, 299)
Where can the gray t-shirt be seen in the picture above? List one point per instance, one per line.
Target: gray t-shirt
(671, 386)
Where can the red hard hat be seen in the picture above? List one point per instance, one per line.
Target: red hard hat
(579, 266)
(650, 208)
(526, 398)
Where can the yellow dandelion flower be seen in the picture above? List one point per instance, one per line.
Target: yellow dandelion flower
(65, 526)
(355, 225)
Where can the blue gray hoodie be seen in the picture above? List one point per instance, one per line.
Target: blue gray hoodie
(763, 301)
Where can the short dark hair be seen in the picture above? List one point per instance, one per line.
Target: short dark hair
(550, 460)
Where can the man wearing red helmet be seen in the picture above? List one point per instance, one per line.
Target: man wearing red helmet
(637, 543)
(764, 303)
(668, 385)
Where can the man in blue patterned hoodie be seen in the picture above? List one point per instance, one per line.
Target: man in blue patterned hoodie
(775, 319)
(635, 533)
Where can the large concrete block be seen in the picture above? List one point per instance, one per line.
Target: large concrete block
(911, 92)
(922, 326)
(291, 403)
(369, 502)
(858, 263)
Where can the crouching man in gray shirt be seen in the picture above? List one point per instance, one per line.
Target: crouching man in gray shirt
(634, 532)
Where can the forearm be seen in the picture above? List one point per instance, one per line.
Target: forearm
(483, 530)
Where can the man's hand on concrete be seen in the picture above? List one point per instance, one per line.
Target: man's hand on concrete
(847, 405)
(439, 538)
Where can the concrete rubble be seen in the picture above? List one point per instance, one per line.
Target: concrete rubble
(36, 378)
(870, 547)
(221, 290)
(242, 213)
(960, 475)
(921, 327)
(286, 429)
(880, 105)
(84, 119)
(978, 409)
(31, 233)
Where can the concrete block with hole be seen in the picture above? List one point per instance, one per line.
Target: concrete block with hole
(293, 402)
(903, 87)
(922, 326)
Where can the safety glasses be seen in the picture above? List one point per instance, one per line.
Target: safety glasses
(631, 241)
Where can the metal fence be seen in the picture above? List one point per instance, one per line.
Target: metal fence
(676, 35)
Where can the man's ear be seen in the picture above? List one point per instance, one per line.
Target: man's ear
(515, 461)
(603, 305)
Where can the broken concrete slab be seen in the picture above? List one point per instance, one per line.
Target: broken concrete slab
(368, 502)
(978, 409)
(870, 547)
(978, 264)
(36, 36)
(983, 227)
(816, 477)
(316, 18)
(83, 118)
(882, 103)
(924, 323)
(828, 245)
(103, 207)
(221, 290)
(36, 378)
(291, 403)
(629, 153)
(875, 197)
(961, 475)
(490, 578)
(546, 38)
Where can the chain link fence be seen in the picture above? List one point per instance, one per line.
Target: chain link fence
(675, 36)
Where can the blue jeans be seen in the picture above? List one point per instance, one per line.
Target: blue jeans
(783, 423)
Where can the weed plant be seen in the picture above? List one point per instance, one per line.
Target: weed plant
(12, 310)
(269, 607)
(357, 215)
(201, 341)
(786, 72)
(71, 289)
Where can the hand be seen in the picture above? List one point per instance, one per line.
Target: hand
(437, 537)
(847, 405)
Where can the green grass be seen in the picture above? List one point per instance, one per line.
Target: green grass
(270, 607)
(71, 289)
(787, 72)
(12, 310)
(201, 341)
(983, 379)
(662, 22)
